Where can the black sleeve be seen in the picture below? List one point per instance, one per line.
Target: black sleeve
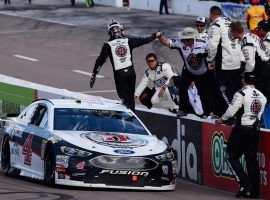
(136, 42)
(101, 58)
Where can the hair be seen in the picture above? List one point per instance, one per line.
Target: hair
(150, 55)
(215, 10)
(237, 27)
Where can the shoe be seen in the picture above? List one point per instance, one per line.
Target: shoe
(174, 111)
(167, 13)
(243, 192)
(161, 13)
(181, 113)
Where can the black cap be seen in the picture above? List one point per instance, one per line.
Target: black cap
(249, 77)
(264, 25)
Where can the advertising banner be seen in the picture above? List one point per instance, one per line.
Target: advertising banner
(216, 172)
(236, 12)
(184, 136)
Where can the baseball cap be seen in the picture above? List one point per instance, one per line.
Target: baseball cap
(201, 20)
(188, 33)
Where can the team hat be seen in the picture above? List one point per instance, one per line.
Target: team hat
(201, 20)
(188, 33)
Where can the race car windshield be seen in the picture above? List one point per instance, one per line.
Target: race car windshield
(70, 119)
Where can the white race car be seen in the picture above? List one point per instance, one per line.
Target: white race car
(84, 143)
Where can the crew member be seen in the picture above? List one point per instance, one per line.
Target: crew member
(193, 52)
(119, 50)
(224, 58)
(247, 105)
(255, 53)
(160, 74)
(254, 14)
(201, 28)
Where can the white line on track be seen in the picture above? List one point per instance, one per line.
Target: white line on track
(45, 20)
(86, 73)
(99, 91)
(26, 58)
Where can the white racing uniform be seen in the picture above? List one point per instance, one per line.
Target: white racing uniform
(253, 103)
(254, 51)
(160, 77)
(203, 35)
(224, 49)
(266, 41)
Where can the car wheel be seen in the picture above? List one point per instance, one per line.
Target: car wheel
(5, 156)
(49, 167)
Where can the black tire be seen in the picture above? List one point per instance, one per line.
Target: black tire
(49, 167)
(5, 156)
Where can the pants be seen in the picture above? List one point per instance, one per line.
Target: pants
(227, 82)
(7, 1)
(165, 101)
(125, 80)
(204, 85)
(244, 140)
(163, 3)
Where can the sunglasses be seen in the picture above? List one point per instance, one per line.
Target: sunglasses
(200, 25)
(150, 61)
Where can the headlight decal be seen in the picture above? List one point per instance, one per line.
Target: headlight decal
(74, 152)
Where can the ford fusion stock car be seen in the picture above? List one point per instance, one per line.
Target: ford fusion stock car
(85, 143)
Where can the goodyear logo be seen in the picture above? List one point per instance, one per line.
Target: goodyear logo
(218, 154)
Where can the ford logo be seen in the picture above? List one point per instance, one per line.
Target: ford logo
(124, 151)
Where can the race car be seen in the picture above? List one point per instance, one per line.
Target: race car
(85, 143)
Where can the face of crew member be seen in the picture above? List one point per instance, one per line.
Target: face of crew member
(152, 62)
(188, 42)
(235, 35)
(200, 27)
(261, 32)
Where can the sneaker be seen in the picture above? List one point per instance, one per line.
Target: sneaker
(243, 192)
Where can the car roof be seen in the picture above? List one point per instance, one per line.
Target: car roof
(86, 104)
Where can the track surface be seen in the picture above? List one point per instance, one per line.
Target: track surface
(46, 41)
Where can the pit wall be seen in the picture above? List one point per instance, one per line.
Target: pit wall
(200, 144)
(201, 147)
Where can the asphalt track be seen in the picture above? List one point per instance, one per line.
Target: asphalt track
(54, 44)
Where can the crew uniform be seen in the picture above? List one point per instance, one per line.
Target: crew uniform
(194, 69)
(257, 59)
(160, 77)
(119, 50)
(247, 105)
(225, 51)
(203, 35)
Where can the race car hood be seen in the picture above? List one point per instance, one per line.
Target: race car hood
(114, 143)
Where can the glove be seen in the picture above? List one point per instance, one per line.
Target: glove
(92, 80)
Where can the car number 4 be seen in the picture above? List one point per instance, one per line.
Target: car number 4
(27, 150)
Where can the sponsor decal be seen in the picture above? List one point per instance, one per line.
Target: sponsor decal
(124, 151)
(188, 167)
(218, 153)
(15, 149)
(256, 107)
(80, 165)
(61, 161)
(165, 169)
(61, 175)
(263, 170)
(124, 172)
(115, 140)
(194, 61)
(121, 51)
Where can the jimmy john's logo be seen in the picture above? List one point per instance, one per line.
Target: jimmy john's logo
(219, 162)
(115, 140)
(124, 172)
